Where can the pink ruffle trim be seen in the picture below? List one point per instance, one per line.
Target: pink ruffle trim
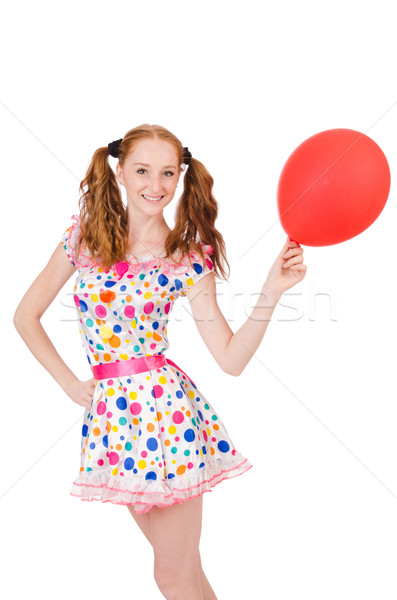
(169, 267)
(148, 493)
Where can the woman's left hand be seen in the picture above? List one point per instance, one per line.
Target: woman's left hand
(287, 270)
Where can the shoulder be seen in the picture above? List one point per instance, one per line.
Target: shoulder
(70, 239)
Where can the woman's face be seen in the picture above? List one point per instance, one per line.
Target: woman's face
(150, 175)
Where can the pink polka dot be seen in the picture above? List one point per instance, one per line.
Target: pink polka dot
(147, 309)
(190, 465)
(157, 391)
(144, 454)
(167, 308)
(100, 462)
(76, 300)
(100, 311)
(129, 311)
(135, 408)
(121, 268)
(178, 417)
(113, 458)
(109, 414)
(205, 436)
(101, 408)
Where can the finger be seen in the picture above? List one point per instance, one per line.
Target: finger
(293, 261)
(294, 252)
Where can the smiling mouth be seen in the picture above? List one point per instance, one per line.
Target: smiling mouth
(153, 198)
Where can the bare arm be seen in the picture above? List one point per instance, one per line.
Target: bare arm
(31, 308)
(232, 351)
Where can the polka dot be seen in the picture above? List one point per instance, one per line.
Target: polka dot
(101, 408)
(135, 408)
(100, 311)
(152, 444)
(189, 435)
(121, 403)
(157, 391)
(113, 458)
(178, 417)
(129, 463)
(223, 446)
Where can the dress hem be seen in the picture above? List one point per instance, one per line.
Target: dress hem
(106, 493)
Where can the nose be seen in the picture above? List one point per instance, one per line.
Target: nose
(155, 185)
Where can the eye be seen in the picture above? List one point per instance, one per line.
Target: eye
(171, 172)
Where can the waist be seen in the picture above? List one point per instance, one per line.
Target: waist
(133, 366)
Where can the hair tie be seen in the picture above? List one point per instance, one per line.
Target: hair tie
(113, 148)
(186, 155)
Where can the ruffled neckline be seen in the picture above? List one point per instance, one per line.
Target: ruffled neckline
(147, 262)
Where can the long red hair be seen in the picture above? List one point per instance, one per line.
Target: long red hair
(104, 218)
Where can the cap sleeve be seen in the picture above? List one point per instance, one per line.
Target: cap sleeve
(69, 241)
(199, 270)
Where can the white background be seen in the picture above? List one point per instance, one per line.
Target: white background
(241, 84)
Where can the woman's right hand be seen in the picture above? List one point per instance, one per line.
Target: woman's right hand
(82, 392)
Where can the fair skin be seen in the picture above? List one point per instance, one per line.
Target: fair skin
(232, 351)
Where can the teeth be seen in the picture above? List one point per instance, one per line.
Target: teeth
(150, 198)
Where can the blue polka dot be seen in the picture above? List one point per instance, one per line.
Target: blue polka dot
(129, 463)
(84, 431)
(109, 284)
(151, 475)
(152, 444)
(83, 306)
(105, 441)
(189, 435)
(162, 279)
(121, 403)
(223, 446)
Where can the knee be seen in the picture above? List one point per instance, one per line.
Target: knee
(172, 581)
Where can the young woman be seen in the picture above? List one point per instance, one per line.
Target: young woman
(150, 439)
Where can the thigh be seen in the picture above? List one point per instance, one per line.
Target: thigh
(175, 532)
(143, 522)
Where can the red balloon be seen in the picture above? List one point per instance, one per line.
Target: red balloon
(332, 187)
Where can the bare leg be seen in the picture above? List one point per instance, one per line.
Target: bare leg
(143, 521)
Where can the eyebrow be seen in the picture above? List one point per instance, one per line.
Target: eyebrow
(146, 165)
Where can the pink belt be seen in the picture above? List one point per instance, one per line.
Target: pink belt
(133, 365)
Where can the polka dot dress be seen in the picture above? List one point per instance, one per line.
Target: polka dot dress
(152, 438)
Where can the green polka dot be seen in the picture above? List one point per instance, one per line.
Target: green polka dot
(128, 446)
(187, 452)
(214, 418)
(89, 322)
(122, 420)
(174, 450)
(206, 406)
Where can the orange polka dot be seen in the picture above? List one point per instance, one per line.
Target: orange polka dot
(159, 416)
(115, 341)
(107, 296)
(150, 427)
(180, 470)
(96, 431)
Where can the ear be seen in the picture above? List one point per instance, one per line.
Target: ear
(119, 174)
